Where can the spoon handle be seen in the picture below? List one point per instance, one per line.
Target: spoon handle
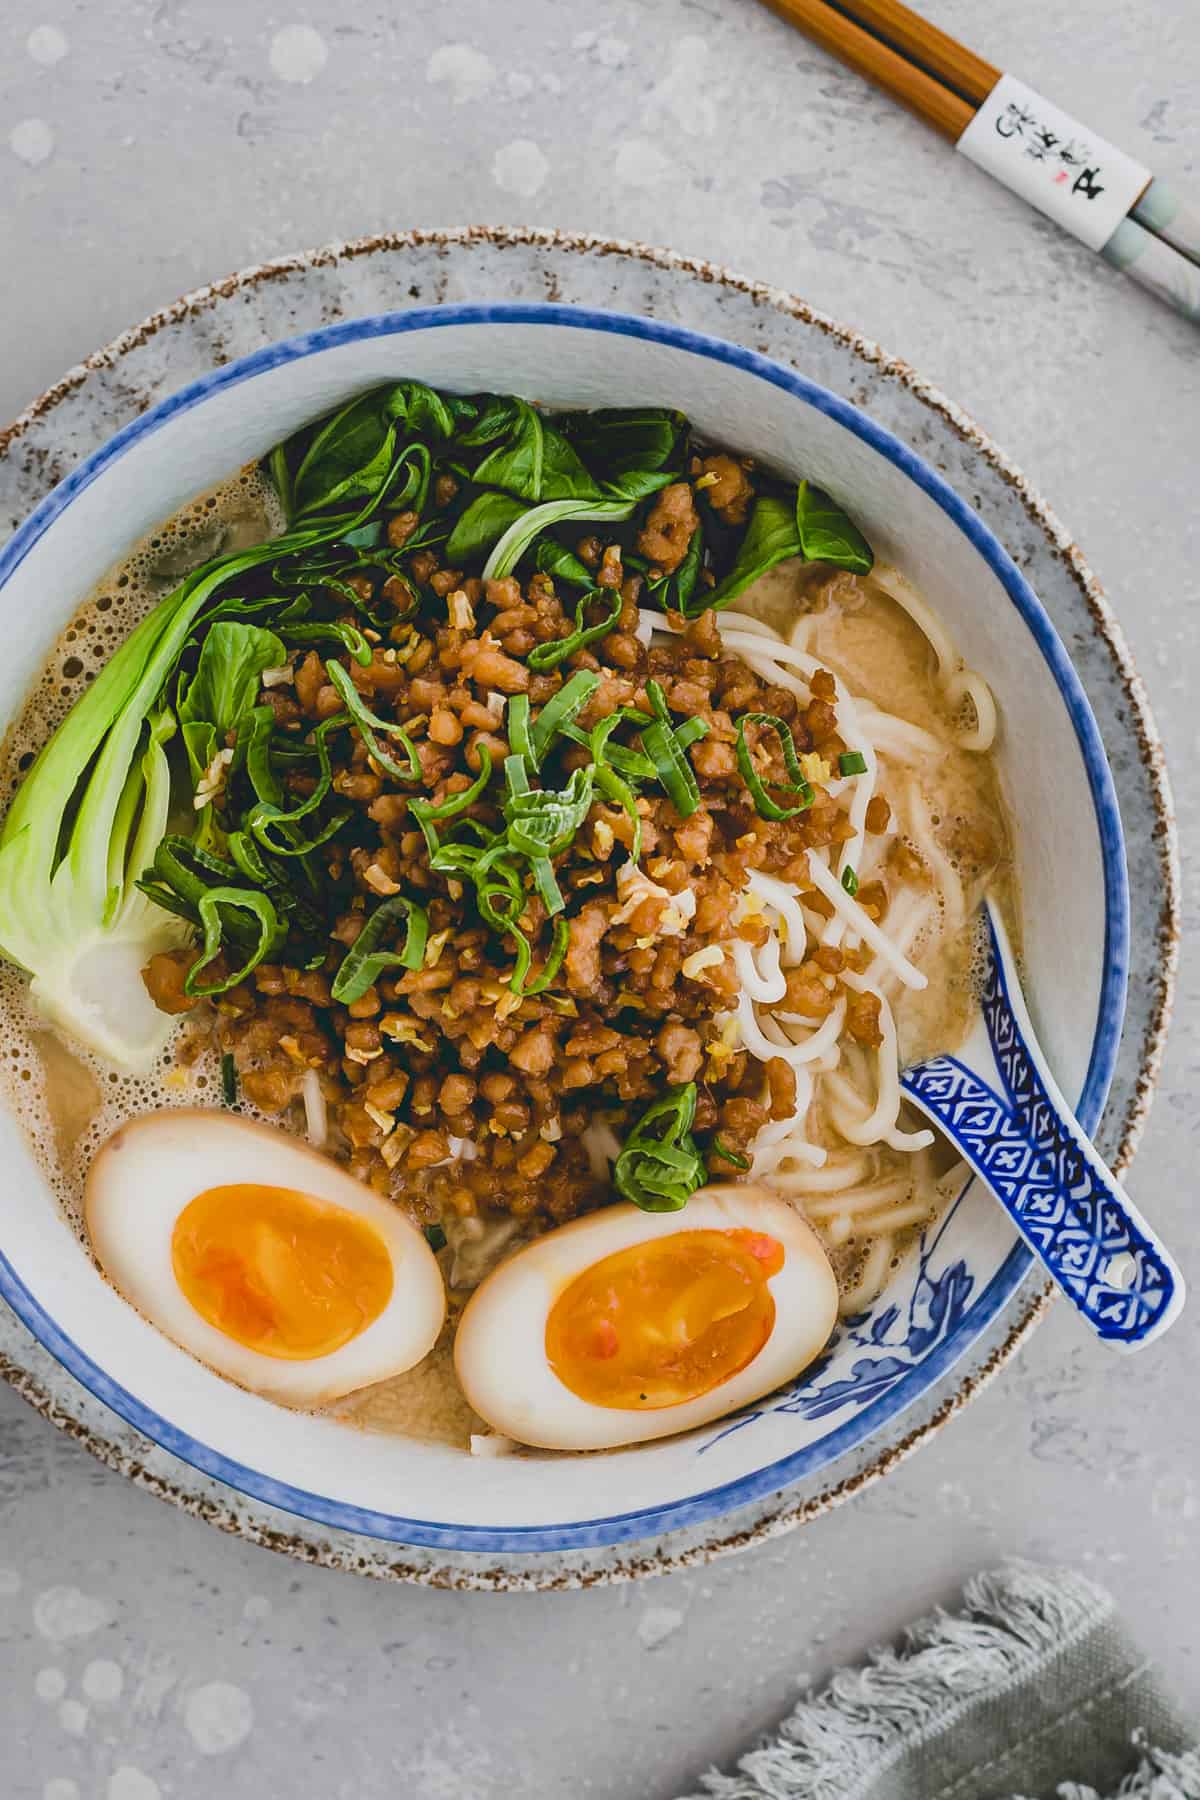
(998, 1103)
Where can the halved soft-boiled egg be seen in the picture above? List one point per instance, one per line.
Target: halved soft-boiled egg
(261, 1257)
(627, 1325)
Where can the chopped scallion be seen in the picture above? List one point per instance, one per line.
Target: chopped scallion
(721, 1149)
(364, 962)
(765, 807)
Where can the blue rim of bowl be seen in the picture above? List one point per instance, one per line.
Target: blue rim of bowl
(696, 1509)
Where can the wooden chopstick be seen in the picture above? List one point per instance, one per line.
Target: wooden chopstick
(1156, 243)
(936, 51)
(887, 68)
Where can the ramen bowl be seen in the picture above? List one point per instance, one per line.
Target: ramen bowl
(1070, 869)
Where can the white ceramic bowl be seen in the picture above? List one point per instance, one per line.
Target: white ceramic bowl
(1070, 862)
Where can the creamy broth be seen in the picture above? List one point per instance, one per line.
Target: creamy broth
(68, 1101)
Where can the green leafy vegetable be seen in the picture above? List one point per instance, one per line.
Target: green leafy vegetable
(554, 559)
(621, 439)
(337, 631)
(660, 1165)
(536, 463)
(483, 524)
(674, 592)
(827, 535)
(542, 822)
(509, 549)
(770, 537)
(226, 682)
(84, 826)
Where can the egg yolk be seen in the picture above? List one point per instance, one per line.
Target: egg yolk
(665, 1321)
(279, 1271)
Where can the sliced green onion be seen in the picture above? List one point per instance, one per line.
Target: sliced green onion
(190, 871)
(612, 785)
(426, 813)
(546, 885)
(264, 818)
(850, 881)
(246, 900)
(523, 953)
(554, 962)
(515, 778)
(541, 821)
(245, 854)
(435, 1237)
(632, 764)
(257, 750)
(341, 632)
(670, 763)
(691, 731)
(560, 710)
(363, 963)
(721, 1149)
(852, 762)
(229, 1080)
(369, 725)
(798, 784)
(520, 740)
(548, 656)
(660, 1165)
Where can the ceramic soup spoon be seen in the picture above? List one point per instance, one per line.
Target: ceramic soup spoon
(997, 1102)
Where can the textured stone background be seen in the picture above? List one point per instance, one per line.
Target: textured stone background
(148, 145)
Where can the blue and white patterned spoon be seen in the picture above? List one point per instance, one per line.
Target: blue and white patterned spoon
(998, 1103)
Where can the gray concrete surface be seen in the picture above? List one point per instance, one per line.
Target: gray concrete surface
(148, 145)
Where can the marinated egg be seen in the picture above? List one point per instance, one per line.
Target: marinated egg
(627, 1325)
(259, 1256)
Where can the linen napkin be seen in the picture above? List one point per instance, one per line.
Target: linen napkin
(1032, 1691)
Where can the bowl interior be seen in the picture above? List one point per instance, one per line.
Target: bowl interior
(1070, 869)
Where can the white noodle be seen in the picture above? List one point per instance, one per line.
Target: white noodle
(862, 923)
(783, 898)
(897, 737)
(826, 1035)
(316, 1116)
(856, 1201)
(764, 984)
(839, 1173)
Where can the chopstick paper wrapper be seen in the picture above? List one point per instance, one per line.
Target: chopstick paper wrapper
(1086, 185)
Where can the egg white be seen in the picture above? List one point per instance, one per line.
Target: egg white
(148, 1171)
(500, 1350)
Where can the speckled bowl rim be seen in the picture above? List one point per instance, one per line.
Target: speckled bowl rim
(1050, 527)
